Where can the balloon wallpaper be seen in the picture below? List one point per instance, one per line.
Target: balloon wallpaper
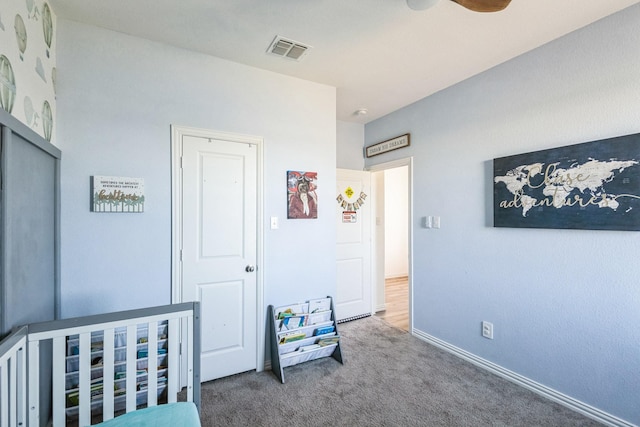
(28, 64)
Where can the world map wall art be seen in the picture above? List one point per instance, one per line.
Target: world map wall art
(591, 186)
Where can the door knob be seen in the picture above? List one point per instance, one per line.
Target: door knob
(250, 268)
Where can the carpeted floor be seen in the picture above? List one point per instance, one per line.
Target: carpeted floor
(389, 379)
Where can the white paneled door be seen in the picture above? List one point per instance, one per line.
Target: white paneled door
(219, 250)
(353, 215)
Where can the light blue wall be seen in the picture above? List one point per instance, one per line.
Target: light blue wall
(349, 145)
(565, 303)
(117, 97)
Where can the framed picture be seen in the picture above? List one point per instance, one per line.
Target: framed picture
(589, 186)
(117, 194)
(388, 145)
(302, 199)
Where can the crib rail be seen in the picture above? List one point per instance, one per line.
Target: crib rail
(99, 358)
(13, 379)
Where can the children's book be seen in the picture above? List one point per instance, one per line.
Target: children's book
(324, 330)
(323, 342)
(318, 305)
(292, 322)
(294, 336)
(291, 310)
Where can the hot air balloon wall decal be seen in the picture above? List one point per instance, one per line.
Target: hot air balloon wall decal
(47, 26)
(7, 84)
(54, 76)
(21, 35)
(34, 13)
(47, 120)
(30, 113)
(40, 69)
(28, 63)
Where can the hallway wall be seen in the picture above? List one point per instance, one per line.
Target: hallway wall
(564, 303)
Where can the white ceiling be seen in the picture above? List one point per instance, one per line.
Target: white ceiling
(379, 54)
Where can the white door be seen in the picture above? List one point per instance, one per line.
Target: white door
(353, 215)
(219, 250)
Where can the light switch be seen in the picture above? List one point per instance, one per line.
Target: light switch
(274, 222)
(436, 222)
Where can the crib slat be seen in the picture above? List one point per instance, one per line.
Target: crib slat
(190, 366)
(12, 385)
(13, 402)
(173, 356)
(152, 364)
(34, 383)
(132, 333)
(108, 374)
(59, 383)
(12, 381)
(84, 379)
(21, 382)
(4, 390)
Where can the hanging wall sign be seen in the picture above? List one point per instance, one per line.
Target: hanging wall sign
(389, 145)
(345, 202)
(117, 194)
(593, 185)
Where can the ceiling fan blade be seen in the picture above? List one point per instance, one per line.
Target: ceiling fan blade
(484, 5)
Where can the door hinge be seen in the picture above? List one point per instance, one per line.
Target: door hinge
(181, 162)
(180, 348)
(180, 255)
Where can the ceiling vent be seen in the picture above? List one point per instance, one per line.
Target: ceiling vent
(288, 49)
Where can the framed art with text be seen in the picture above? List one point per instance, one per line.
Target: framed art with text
(592, 186)
(388, 145)
(117, 194)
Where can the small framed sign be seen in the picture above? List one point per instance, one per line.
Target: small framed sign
(349, 216)
(388, 145)
(117, 194)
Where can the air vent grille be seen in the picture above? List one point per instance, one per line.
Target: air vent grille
(288, 49)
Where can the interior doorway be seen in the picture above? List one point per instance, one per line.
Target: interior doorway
(217, 244)
(392, 183)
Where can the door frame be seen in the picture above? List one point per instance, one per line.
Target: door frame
(177, 133)
(407, 161)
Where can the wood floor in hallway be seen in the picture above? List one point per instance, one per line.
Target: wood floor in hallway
(396, 302)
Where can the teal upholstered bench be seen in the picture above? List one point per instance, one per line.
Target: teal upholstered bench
(179, 414)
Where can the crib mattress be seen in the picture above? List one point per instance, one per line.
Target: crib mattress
(180, 414)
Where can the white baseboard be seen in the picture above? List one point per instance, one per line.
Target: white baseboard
(571, 403)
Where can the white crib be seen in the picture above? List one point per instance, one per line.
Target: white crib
(101, 365)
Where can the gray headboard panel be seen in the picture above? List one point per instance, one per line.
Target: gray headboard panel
(29, 226)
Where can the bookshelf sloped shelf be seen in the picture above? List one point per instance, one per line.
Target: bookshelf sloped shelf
(303, 332)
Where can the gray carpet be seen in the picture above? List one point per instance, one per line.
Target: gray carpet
(389, 379)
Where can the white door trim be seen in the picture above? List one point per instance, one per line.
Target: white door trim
(408, 161)
(177, 133)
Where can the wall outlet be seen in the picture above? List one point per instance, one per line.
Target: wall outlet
(487, 330)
